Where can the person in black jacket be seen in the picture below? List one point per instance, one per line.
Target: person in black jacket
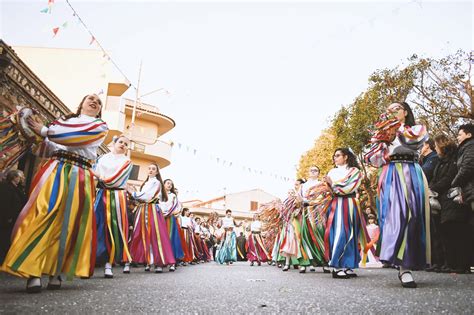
(453, 216)
(465, 175)
(429, 159)
(13, 198)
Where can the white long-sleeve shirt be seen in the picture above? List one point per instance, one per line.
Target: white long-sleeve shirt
(148, 191)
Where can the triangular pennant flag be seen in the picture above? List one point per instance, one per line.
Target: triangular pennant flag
(50, 2)
(64, 24)
(92, 41)
(230, 164)
(46, 10)
(195, 151)
(55, 31)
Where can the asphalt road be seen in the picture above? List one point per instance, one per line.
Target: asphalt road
(239, 288)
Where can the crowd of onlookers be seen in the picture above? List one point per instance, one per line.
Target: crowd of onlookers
(449, 170)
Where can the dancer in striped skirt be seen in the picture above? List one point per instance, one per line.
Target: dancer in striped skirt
(151, 243)
(256, 251)
(113, 170)
(170, 209)
(55, 232)
(403, 202)
(343, 227)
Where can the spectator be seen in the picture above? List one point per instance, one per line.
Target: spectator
(465, 175)
(453, 226)
(429, 158)
(13, 199)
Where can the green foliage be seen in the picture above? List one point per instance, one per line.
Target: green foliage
(439, 91)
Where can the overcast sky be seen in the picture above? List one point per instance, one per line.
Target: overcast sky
(250, 82)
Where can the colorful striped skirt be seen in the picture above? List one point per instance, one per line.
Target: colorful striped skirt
(227, 251)
(312, 239)
(256, 250)
(56, 231)
(150, 241)
(342, 233)
(173, 231)
(187, 244)
(112, 226)
(404, 211)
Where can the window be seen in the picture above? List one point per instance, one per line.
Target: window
(253, 205)
(135, 172)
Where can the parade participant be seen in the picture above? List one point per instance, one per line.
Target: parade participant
(198, 241)
(403, 204)
(113, 170)
(343, 221)
(151, 243)
(170, 209)
(312, 223)
(227, 252)
(55, 231)
(290, 244)
(186, 235)
(256, 249)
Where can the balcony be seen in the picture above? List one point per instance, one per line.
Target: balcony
(149, 113)
(160, 152)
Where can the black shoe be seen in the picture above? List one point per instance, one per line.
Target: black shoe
(410, 284)
(340, 274)
(54, 286)
(33, 288)
(259, 263)
(326, 270)
(251, 264)
(296, 267)
(445, 269)
(350, 273)
(433, 268)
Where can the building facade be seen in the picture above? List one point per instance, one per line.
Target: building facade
(73, 73)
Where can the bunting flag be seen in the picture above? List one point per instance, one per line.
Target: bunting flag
(64, 24)
(46, 10)
(92, 41)
(55, 31)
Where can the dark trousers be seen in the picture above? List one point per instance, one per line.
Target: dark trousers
(457, 243)
(5, 241)
(438, 256)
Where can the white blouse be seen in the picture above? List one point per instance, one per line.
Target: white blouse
(90, 133)
(228, 222)
(256, 226)
(148, 191)
(109, 165)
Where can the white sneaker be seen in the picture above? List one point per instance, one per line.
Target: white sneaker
(108, 271)
(126, 268)
(158, 269)
(302, 269)
(172, 268)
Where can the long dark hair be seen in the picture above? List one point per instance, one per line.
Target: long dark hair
(173, 189)
(409, 118)
(78, 111)
(351, 158)
(164, 196)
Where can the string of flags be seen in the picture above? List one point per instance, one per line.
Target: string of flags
(232, 164)
(92, 41)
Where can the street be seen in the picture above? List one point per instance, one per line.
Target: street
(239, 288)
